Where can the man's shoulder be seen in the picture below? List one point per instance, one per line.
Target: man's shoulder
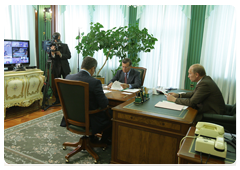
(119, 72)
(63, 45)
(134, 72)
(207, 79)
(83, 76)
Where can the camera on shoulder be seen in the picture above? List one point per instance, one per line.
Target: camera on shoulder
(47, 44)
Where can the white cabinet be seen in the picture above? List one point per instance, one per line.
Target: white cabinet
(22, 88)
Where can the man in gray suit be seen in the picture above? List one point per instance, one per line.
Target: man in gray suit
(206, 98)
(128, 76)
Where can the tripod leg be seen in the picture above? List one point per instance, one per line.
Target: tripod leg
(46, 85)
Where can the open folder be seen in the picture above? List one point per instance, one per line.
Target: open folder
(170, 105)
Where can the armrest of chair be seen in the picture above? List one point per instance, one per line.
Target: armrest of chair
(98, 110)
(219, 118)
(228, 109)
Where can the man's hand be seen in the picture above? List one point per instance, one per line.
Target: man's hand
(174, 94)
(58, 53)
(53, 50)
(170, 97)
(124, 86)
(110, 85)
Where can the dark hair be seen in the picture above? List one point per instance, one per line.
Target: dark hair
(127, 60)
(88, 63)
(197, 68)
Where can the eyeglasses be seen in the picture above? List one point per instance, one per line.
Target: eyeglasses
(125, 67)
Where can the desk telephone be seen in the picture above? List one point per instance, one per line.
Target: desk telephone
(210, 139)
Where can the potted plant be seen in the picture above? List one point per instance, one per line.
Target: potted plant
(120, 42)
(138, 41)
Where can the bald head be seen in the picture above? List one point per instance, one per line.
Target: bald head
(197, 68)
(196, 72)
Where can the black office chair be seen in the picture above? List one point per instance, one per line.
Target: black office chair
(227, 120)
(74, 98)
(142, 71)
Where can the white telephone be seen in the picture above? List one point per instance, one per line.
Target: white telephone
(210, 139)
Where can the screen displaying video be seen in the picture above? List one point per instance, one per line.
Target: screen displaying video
(16, 52)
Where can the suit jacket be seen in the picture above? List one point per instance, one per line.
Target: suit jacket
(97, 99)
(206, 97)
(133, 78)
(61, 62)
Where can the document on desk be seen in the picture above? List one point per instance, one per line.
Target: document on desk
(126, 93)
(131, 90)
(106, 91)
(116, 86)
(161, 90)
(170, 105)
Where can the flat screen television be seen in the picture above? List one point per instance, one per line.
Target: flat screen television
(16, 52)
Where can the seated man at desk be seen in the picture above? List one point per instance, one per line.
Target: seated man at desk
(97, 99)
(206, 97)
(128, 76)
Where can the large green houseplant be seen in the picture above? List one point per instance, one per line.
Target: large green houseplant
(120, 42)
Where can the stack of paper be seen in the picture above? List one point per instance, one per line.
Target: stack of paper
(161, 90)
(170, 105)
(116, 86)
(131, 90)
(106, 91)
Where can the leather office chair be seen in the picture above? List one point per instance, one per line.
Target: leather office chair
(142, 71)
(74, 98)
(227, 120)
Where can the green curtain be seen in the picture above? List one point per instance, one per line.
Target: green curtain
(133, 15)
(132, 22)
(43, 34)
(195, 40)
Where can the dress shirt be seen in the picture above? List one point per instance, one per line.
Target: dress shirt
(130, 86)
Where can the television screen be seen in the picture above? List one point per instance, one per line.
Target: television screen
(16, 52)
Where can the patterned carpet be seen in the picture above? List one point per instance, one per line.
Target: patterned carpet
(39, 141)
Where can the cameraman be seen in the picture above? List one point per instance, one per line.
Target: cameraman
(59, 55)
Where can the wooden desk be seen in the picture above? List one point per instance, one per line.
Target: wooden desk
(116, 97)
(187, 154)
(143, 137)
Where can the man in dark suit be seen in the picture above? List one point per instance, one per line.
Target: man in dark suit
(129, 77)
(97, 98)
(59, 57)
(206, 98)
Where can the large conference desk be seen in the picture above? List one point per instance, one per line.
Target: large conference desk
(145, 134)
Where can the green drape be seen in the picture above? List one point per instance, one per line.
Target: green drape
(132, 22)
(43, 35)
(133, 15)
(195, 40)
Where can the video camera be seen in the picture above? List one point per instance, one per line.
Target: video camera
(47, 44)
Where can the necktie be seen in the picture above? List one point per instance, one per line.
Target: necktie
(125, 80)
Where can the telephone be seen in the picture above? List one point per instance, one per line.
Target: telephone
(210, 139)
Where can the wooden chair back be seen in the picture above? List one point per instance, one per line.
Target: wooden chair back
(74, 98)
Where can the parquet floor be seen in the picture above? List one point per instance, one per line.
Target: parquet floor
(17, 115)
